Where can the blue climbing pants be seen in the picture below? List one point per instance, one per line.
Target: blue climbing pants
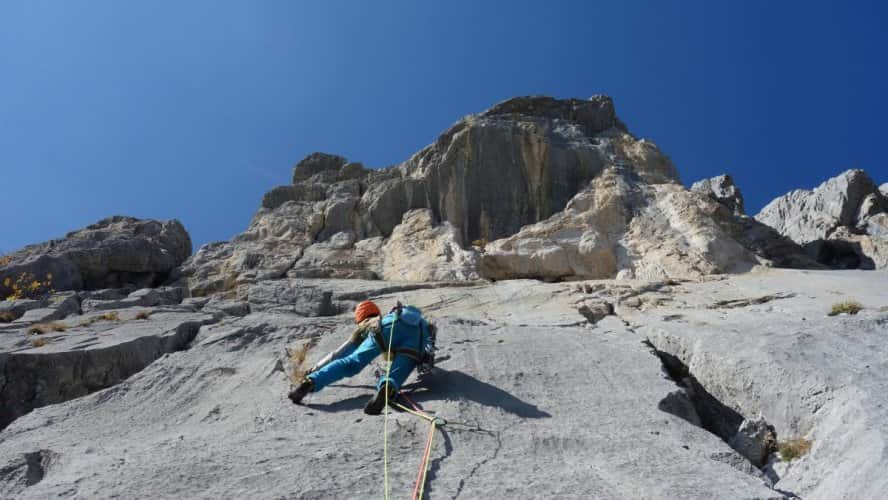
(353, 363)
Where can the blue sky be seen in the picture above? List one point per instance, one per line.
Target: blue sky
(192, 110)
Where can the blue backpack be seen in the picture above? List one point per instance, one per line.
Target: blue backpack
(407, 325)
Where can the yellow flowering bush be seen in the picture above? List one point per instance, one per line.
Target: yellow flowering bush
(27, 286)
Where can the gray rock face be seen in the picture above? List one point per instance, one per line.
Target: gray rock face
(58, 306)
(146, 297)
(761, 361)
(113, 252)
(841, 222)
(723, 190)
(761, 350)
(505, 425)
(85, 356)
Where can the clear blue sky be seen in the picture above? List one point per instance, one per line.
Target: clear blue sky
(192, 110)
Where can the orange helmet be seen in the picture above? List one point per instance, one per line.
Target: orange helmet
(366, 310)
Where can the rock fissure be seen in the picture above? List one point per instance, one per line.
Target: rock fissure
(754, 439)
(497, 435)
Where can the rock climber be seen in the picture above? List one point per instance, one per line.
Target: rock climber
(412, 342)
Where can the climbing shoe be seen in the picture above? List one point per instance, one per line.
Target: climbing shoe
(298, 393)
(377, 402)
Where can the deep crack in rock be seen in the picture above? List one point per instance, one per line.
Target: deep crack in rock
(754, 439)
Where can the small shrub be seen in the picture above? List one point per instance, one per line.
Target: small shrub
(27, 286)
(142, 315)
(41, 328)
(849, 307)
(793, 448)
(5, 259)
(39, 342)
(480, 243)
(7, 317)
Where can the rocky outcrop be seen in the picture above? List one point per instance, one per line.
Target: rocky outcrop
(114, 252)
(418, 250)
(723, 190)
(515, 178)
(841, 223)
(84, 354)
(652, 231)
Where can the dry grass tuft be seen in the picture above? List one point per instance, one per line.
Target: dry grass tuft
(39, 342)
(108, 316)
(142, 315)
(793, 448)
(297, 361)
(7, 317)
(480, 243)
(5, 259)
(847, 307)
(41, 328)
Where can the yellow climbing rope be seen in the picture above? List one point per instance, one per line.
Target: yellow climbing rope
(388, 370)
(419, 489)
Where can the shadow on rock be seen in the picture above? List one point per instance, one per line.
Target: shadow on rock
(456, 384)
(351, 404)
(440, 384)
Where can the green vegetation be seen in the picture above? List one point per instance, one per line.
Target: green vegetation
(27, 286)
(793, 448)
(847, 307)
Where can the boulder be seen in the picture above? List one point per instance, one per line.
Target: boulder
(419, 250)
(723, 190)
(755, 439)
(114, 252)
(841, 222)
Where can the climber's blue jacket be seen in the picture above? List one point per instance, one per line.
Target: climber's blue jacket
(408, 332)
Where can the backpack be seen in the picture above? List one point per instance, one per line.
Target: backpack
(412, 316)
